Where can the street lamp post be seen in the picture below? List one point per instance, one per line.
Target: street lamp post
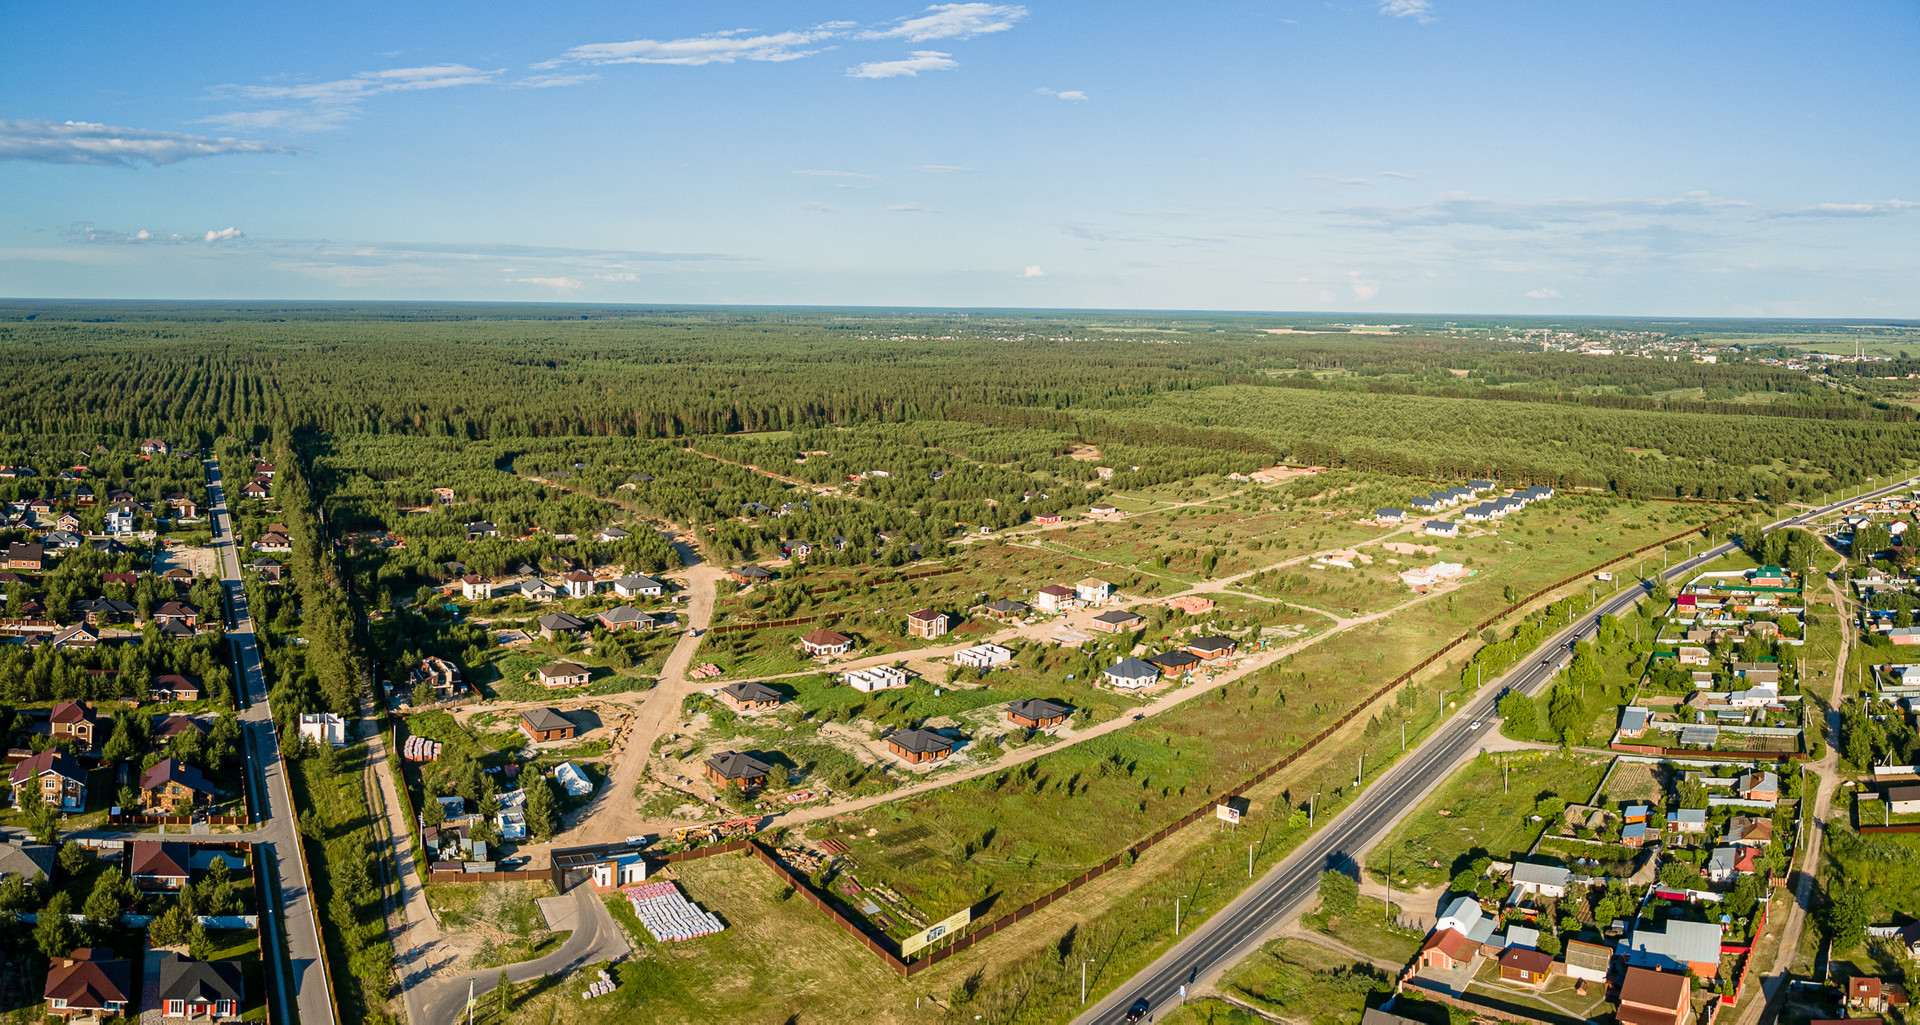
(1083, 980)
(1250, 848)
(1176, 911)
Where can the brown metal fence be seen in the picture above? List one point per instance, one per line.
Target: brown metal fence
(1911, 827)
(773, 625)
(1681, 752)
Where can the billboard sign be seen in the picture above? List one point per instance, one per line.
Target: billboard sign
(932, 933)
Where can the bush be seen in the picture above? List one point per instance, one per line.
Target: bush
(1339, 892)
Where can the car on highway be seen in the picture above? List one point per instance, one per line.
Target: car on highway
(1474, 725)
(1138, 1012)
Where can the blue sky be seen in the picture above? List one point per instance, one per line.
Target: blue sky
(1663, 158)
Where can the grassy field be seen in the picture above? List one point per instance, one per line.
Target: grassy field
(1305, 982)
(1477, 813)
(1370, 929)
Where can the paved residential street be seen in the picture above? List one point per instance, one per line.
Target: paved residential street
(294, 926)
(596, 937)
(1289, 887)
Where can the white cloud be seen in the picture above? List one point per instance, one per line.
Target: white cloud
(1033, 272)
(1334, 179)
(910, 208)
(1363, 288)
(814, 173)
(84, 232)
(1459, 208)
(1419, 10)
(1408, 175)
(943, 169)
(553, 81)
(328, 104)
(557, 284)
(1876, 208)
(713, 48)
(951, 21)
(1070, 95)
(922, 60)
(85, 142)
(223, 235)
(1544, 293)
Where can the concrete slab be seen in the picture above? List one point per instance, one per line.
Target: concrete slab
(562, 913)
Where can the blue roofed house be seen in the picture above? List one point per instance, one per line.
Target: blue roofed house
(1678, 947)
(1687, 820)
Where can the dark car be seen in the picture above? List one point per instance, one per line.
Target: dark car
(1138, 1012)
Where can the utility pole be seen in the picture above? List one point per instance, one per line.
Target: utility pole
(1250, 848)
(1176, 915)
(1310, 803)
(1084, 962)
(1360, 772)
(1403, 736)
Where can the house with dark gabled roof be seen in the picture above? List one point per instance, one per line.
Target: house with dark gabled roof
(192, 989)
(80, 635)
(733, 769)
(557, 623)
(75, 720)
(1210, 648)
(624, 618)
(60, 780)
(927, 624)
(1115, 621)
(918, 746)
(1131, 674)
(564, 674)
(89, 983)
(1006, 608)
(1053, 598)
(750, 696)
(634, 585)
(22, 555)
(821, 643)
(544, 724)
(1037, 713)
(1176, 659)
(750, 574)
(172, 787)
(481, 528)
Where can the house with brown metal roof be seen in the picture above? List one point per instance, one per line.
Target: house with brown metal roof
(927, 624)
(1649, 997)
(750, 696)
(823, 642)
(89, 983)
(76, 721)
(733, 769)
(544, 724)
(59, 779)
(918, 746)
(1037, 713)
(169, 787)
(160, 865)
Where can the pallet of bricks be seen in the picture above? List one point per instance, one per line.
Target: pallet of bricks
(668, 914)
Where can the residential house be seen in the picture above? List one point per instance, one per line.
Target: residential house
(1037, 713)
(119, 522)
(1758, 786)
(273, 541)
(182, 506)
(75, 721)
(608, 535)
(579, 583)
(536, 589)
(563, 674)
(1690, 656)
(169, 787)
(733, 769)
(1442, 528)
(1649, 997)
(1688, 820)
(1633, 721)
(750, 696)
(1103, 511)
(155, 447)
(624, 619)
(1540, 880)
(1131, 674)
(1633, 835)
(1447, 950)
(32, 862)
(926, 624)
(633, 585)
(1175, 660)
(159, 865)
(983, 656)
(1590, 962)
(1092, 592)
(22, 555)
(1903, 800)
(1048, 519)
(1209, 648)
(1389, 515)
(270, 570)
(89, 983)
(918, 746)
(178, 615)
(323, 728)
(474, 587)
(826, 643)
(1748, 831)
(106, 611)
(1866, 993)
(1678, 947)
(1053, 598)
(750, 574)
(561, 623)
(866, 681)
(1115, 621)
(545, 724)
(1006, 609)
(59, 779)
(1635, 813)
(443, 676)
(194, 989)
(481, 528)
(1524, 966)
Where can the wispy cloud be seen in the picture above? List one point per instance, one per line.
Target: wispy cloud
(553, 81)
(85, 232)
(85, 142)
(951, 21)
(1419, 10)
(1523, 215)
(1070, 95)
(906, 67)
(1876, 208)
(724, 47)
(910, 208)
(1334, 179)
(943, 169)
(1408, 175)
(1544, 293)
(328, 104)
(557, 284)
(1033, 272)
(813, 173)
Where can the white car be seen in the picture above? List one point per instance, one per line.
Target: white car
(1474, 725)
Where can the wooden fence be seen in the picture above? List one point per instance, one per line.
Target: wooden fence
(176, 820)
(523, 875)
(1681, 752)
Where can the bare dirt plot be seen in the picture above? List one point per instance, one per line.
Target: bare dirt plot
(1404, 548)
(1634, 781)
(198, 561)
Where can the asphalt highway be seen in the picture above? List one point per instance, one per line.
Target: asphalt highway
(1288, 887)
